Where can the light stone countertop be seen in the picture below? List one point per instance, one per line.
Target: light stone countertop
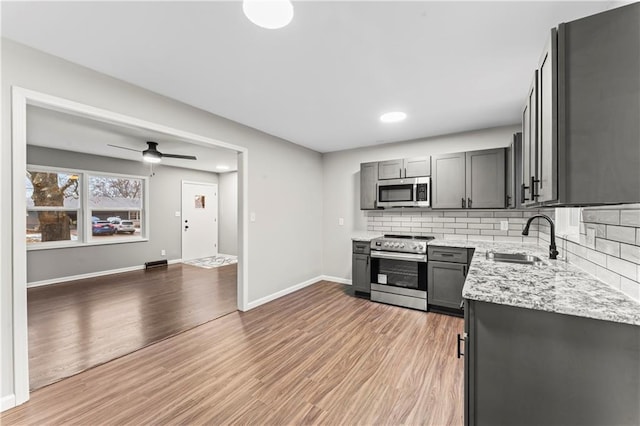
(557, 286)
(365, 236)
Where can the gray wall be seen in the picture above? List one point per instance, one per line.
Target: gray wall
(165, 189)
(342, 185)
(280, 175)
(228, 213)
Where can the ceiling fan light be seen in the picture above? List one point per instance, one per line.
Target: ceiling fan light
(151, 156)
(269, 14)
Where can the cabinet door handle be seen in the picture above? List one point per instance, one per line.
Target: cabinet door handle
(461, 339)
(463, 203)
(368, 259)
(469, 203)
(532, 185)
(522, 190)
(464, 270)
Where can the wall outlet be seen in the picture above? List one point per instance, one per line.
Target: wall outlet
(252, 217)
(163, 252)
(341, 221)
(504, 225)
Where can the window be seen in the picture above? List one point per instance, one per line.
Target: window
(72, 207)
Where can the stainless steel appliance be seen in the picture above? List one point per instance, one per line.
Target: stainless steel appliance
(399, 270)
(410, 192)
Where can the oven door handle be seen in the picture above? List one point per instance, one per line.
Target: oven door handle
(400, 256)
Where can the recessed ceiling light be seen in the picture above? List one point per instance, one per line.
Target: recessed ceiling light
(270, 14)
(222, 167)
(393, 117)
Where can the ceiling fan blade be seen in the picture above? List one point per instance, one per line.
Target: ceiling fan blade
(184, 157)
(124, 147)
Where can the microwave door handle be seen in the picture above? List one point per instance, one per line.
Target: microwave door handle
(415, 193)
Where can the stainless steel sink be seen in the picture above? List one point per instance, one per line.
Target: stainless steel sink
(523, 259)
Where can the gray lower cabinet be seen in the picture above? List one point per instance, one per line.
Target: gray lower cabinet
(361, 267)
(368, 188)
(446, 272)
(530, 367)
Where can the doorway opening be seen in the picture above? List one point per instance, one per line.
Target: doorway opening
(23, 100)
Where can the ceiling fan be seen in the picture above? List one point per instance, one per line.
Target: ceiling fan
(152, 155)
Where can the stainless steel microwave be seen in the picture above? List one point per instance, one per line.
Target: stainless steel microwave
(410, 192)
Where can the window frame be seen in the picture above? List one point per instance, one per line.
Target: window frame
(84, 224)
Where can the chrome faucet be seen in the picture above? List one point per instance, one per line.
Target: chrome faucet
(553, 253)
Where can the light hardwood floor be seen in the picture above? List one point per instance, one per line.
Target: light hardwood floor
(316, 356)
(80, 324)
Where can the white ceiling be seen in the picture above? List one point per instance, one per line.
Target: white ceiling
(323, 81)
(59, 130)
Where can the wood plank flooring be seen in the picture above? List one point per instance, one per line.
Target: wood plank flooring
(316, 356)
(80, 324)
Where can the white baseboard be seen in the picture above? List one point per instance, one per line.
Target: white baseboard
(281, 293)
(336, 279)
(8, 401)
(92, 275)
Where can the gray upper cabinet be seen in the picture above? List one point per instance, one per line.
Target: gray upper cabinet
(417, 167)
(529, 132)
(368, 181)
(473, 179)
(391, 169)
(546, 171)
(404, 168)
(514, 171)
(485, 176)
(580, 145)
(448, 181)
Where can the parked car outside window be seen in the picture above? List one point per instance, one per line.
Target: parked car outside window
(102, 227)
(123, 226)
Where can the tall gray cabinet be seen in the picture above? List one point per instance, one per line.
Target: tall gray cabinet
(581, 127)
(474, 179)
(368, 181)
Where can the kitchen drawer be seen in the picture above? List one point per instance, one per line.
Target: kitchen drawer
(399, 300)
(447, 254)
(361, 247)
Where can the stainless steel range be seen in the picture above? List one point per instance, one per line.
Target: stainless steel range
(399, 270)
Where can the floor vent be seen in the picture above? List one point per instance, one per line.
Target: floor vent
(155, 264)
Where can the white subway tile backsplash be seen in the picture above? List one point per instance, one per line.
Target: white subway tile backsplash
(455, 214)
(468, 231)
(622, 267)
(482, 238)
(480, 226)
(624, 234)
(609, 217)
(468, 219)
(507, 213)
(444, 219)
(457, 225)
(608, 247)
(608, 277)
(454, 237)
(630, 287)
(480, 214)
(597, 257)
(638, 236)
(630, 252)
(492, 232)
(630, 218)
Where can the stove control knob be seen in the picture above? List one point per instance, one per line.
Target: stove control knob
(402, 245)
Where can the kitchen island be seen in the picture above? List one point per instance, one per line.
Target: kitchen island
(547, 343)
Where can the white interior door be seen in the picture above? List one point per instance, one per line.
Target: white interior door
(199, 220)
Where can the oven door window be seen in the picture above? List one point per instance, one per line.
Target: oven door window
(391, 193)
(400, 273)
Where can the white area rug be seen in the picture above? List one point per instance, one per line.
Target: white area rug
(213, 261)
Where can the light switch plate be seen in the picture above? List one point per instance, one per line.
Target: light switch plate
(341, 221)
(252, 217)
(177, 214)
(504, 225)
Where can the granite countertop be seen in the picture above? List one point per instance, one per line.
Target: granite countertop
(365, 236)
(557, 286)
